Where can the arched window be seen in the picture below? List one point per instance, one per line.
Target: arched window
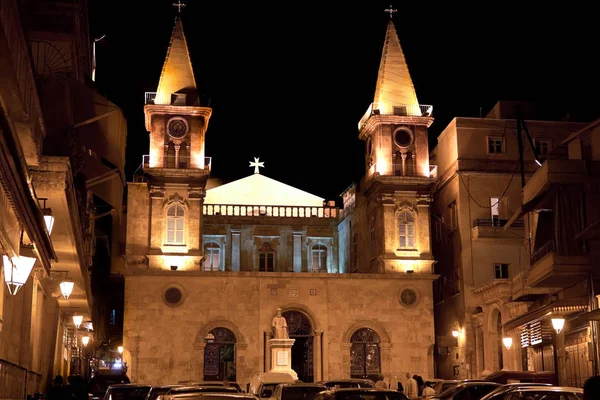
(406, 230)
(410, 164)
(266, 258)
(183, 156)
(170, 156)
(175, 224)
(319, 258)
(212, 257)
(364, 354)
(219, 355)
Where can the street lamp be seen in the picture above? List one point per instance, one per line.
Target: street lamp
(66, 288)
(507, 342)
(455, 333)
(16, 271)
(558, 324)
(85, 340)
(48, 216)
(77, 320)
(120, 349)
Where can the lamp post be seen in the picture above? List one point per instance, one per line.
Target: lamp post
(507, 341)
(558, 324)
(66, 288)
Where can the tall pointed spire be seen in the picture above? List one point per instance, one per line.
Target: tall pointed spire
(177, 75)
(394, 85)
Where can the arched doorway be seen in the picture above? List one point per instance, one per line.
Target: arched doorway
(300, 328)
(219, 355)
(365, 360)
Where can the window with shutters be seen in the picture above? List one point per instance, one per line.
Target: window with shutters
(319, 258)
(406, 230)
(175, 224)
(266, 257)
(212, 253)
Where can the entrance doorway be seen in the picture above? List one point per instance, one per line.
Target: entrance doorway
(365, 360)
(219, 355)
(300, 328)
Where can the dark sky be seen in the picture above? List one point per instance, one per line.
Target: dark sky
(290, 81)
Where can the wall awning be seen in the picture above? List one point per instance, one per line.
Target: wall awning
(558, 307)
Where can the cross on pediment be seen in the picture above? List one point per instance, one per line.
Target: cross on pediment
(390, 10)
(256, 164)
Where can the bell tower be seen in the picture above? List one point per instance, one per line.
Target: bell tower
(175, 117)
(397, 183)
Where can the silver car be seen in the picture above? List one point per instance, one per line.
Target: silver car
(537, 393)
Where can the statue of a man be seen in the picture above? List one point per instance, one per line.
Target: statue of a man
(279, 324)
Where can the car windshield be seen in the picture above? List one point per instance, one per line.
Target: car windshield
(548, 395)
(300, 393)
(368, 396)
(342, 385)
(268, 387)
(205, 389)
(128, 393)
(452, 390)
(158, 391)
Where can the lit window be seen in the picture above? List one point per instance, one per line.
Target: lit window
(542, 146)
(406, 226)
(319, 258)
(266, 258)
(212, 253)
(495, 145)
(175, 222)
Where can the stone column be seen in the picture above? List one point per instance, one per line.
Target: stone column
(177, 147)
(199, 358)
(297, 251)
(345, 372)
(403, 164)
(385, 355)
(235, 249)
(267, 352)
(317, 356)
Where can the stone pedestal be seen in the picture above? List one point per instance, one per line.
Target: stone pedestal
(281, 356)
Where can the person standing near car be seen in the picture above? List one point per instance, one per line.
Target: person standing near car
(428, 390)
(412, 389)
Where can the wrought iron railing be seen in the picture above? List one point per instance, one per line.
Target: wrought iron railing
(541, 253)
(403, 110)
(497, 223)
(271, 211)
(146, 163)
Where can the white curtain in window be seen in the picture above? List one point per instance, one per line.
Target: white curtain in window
(175, 224)
(406, 225)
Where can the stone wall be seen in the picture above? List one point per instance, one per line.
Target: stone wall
(165, 343)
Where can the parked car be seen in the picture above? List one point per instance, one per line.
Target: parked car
(210, 396)
(130, 391)
(297, 391)
(509, 387)
(445, 384)
(539, 393)
(360, 394)
(202, 389)
(98, 385)
(348, 383)
(522, 376)
(467, 390)
(156, 391)
(263, 384)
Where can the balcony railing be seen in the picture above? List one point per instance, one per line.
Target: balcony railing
(270, 211)
(497, 223)
(541, 253)
(177, 99)
(182, 165)
(402, 110)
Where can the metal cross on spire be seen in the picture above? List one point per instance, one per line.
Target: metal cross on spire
(390, 10)
(179, 6)
(257, 164)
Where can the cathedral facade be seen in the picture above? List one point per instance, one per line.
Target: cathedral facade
(208, 266)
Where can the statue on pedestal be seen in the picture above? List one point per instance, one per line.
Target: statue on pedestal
(279, 324)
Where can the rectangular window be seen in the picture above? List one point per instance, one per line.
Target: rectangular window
(495, 210)
(265, 262)
(212, 252)
(372, 236)
(501, 271)
(319, 254)
(542, 146)
(452, 216)
(456, 280)
(495, 145)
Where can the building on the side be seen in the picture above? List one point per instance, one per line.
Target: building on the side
(62, 160)
(207, 265)
(484, 262)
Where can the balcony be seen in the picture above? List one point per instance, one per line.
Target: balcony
(178, 99)
(493, 291)
(232, 210)
(554, 172)
(488, 228)
(397, 110)
(549, 269)
(522, 291)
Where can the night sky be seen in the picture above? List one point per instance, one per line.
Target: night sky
(289, 82)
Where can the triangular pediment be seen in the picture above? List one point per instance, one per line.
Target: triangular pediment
(260, 190)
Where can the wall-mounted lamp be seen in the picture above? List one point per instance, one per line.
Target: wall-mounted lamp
(77, 320)
(558, 324)
(120, 349)
(85, 340)
(507, 341)
(66, 288)
(16, 271)
(455, 333)
(48, 217)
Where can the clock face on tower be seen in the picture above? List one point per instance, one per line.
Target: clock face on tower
(177, 127)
